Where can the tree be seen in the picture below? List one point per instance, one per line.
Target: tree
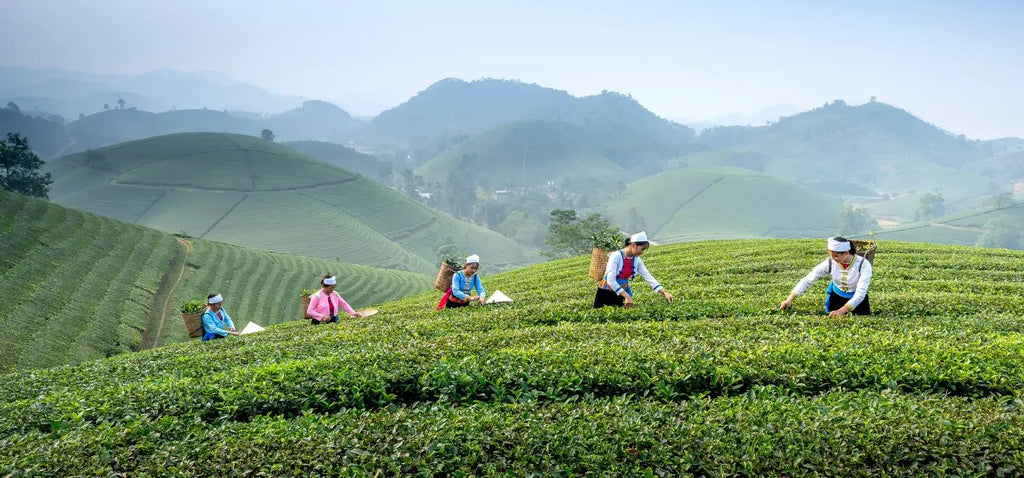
(266, 134)
(1002, 233)
(853, 220)
(106, 106)
(524, 228)
(999, 201)
(120, 103)
(20, 168)
(13, 107)
(636, 221)
(569, 235)
(931, 206)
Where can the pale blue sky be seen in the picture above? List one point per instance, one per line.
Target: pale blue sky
(958, 65)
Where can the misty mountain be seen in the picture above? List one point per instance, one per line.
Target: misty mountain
(874, 145)
(71, 94)
(46, 137)
(451, 110)
(756, 118)
(122, 125)
(314, 120)
(1005, 145)
(343, 157)
(523, 154)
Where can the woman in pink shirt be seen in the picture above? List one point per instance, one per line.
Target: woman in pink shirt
(325, 303)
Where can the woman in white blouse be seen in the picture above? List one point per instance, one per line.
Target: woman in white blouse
(623, 265)
(851, 278)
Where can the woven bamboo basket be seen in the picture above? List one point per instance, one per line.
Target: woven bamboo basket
(444, 277)
(866, 249)
(305, 305)
(193, 323)
(598, 261)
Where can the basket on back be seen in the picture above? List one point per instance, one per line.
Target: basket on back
(305, 299)
(866, 249)
(444, 277)
(193, 323)
(598, 261)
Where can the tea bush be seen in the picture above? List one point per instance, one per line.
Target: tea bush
(717, 383)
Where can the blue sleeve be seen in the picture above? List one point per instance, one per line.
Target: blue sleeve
(458, 284)
(210, 325)
(479, 285)
(227, 318)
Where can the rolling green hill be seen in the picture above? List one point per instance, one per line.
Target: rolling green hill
(340, 156)
(314, 120)
(119, 125)
(619, 127)
(714, 203)
(874, 146)
(984, 225)
(46, 137)
(76, 286)
(526, 153)
(718, 383)
(243, 190)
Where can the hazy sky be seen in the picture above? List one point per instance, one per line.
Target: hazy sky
(959, 65)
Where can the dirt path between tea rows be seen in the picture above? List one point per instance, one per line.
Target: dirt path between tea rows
(158, 316)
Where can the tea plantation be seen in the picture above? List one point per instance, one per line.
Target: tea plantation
(250, 192)
(717, 383)
(75, 286)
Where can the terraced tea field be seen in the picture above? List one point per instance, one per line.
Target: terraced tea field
(244, 190)
(689, 204)
(718, 383)
(75, 286)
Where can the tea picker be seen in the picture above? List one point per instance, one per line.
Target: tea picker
(851, 278)
(464, 282)
(623, 265)
(217, 323)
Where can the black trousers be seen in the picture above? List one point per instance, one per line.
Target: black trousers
(317, 322)
(835, 301)
(606, 297)
(450, 304)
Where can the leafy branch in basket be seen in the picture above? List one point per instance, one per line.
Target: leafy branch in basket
(607, 242)
(453, 260)
(193, 306)
(449, 254)
(306, 292)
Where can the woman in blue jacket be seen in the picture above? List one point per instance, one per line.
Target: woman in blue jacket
(463, 283)
(217, 323)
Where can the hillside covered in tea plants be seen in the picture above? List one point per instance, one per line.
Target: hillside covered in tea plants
(76, 286)
(247, 191)
(717, 383)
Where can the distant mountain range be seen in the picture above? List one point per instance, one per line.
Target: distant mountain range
(452, 110)
(838, 148)
(71, 93)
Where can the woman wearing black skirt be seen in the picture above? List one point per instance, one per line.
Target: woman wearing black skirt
(623, 265)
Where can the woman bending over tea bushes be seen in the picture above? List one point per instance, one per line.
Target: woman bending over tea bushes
(217, 323)
(464, 282)
(623, 265)
(851, 278)
(325, 303)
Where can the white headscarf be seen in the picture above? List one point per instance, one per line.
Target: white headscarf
(472, 258)
(639, 237)
(215, 299)
(331, 280)
(838, 246)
